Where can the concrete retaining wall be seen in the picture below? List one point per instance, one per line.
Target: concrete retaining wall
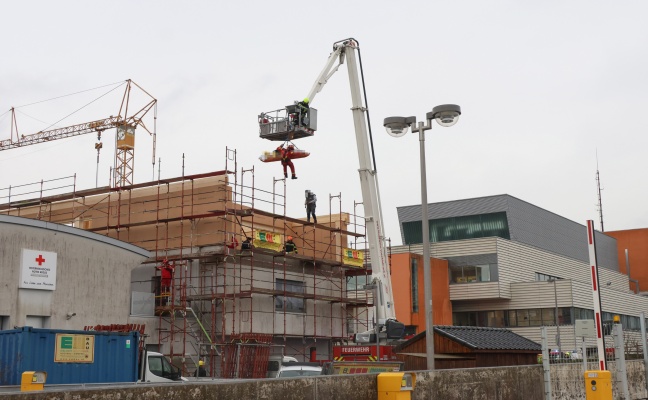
(484, 383)
(505, 383)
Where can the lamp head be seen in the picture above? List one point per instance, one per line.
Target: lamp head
(398, 126)
(445, 115)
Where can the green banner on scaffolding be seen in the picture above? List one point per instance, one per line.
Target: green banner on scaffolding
(267, 240)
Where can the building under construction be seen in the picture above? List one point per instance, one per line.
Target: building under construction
(228, 306)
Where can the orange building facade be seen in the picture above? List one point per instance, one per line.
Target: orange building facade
(636, 242)
(409, 290)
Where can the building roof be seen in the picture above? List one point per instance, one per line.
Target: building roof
(54, 227)
(527, 223)
(478, 338)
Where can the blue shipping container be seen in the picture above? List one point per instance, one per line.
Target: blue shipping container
(111, 356)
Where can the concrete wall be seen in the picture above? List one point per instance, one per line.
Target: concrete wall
(92, 275)
(505, 383)
(484, 383)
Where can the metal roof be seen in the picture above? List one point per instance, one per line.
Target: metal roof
(54, 227)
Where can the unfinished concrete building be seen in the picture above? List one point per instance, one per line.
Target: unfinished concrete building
(230, 307)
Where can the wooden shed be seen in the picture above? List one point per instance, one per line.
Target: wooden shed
(468, 347)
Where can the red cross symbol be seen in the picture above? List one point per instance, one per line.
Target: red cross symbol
(40, 260)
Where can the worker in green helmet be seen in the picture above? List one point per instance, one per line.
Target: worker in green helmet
(303, 107)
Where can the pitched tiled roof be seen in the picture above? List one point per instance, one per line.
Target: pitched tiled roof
(487, 338)
(479, 338)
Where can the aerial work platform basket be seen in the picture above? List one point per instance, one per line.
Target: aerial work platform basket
(287, 124)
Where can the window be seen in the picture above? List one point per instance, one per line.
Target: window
(290, 304)
(535, 317)
(464, 319)
(548, 316)
(414, 271)
(545, 277)
(357, 282)
(456, 228)
(512, 318)
(496, 319)
(471, 273)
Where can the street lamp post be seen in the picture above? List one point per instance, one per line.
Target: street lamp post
(445, 115)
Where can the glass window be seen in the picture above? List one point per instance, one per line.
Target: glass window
(414, 268)
(512, 318)
(535, 317)
(482, 318)
(290, 304)
(483, 273)
(357, 282)
(548, 316)
(470, 273)
(455, 228)
(456, 275)
(496, 319)
(564, 316)
(464, 319)
(522, 317)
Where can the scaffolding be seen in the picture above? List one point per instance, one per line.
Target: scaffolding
(225, 305)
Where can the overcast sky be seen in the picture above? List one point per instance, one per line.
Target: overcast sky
(543, 86)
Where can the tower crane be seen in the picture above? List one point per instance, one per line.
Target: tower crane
(125, 123)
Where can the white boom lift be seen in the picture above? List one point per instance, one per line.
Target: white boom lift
(387, 325)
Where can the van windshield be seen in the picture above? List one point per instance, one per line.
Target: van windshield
(292, 373)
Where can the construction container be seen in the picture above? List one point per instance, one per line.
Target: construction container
(68, 356)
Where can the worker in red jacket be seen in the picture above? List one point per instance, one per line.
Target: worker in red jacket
(167, 270)
(286, 156)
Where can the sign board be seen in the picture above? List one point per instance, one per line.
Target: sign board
(37, 270)
(584, 328)
(74, 348)
(267, 240)
(353, 257)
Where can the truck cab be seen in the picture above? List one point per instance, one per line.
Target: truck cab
(158, 369)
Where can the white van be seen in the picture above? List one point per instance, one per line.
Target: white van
(299, 370)
(156, 368)
(275, 362)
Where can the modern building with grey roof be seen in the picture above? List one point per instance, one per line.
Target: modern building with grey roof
(510, 218)
(514, 265)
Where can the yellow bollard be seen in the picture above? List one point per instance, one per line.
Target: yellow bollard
(395, 385)
(32, 380)
(598, 385)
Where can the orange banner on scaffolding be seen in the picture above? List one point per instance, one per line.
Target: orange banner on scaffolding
(353, 257)
(267, 240)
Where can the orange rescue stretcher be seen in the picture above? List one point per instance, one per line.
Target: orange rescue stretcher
(270, 156)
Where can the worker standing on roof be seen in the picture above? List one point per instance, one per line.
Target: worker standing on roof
(290, 246)
(286, 155)
(310, 203)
